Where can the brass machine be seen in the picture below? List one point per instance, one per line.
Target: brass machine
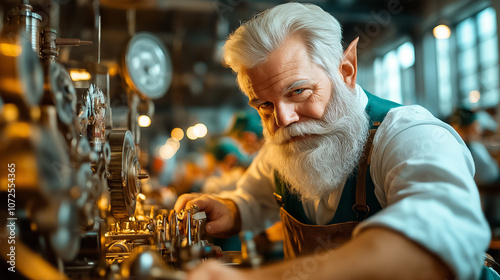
(75, 208)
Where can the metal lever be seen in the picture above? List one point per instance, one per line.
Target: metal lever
(174, 227)
(71, 42)
(188, 228)
(166, 228)
(198, 218)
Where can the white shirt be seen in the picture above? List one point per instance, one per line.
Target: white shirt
(423, 176)
(226, 181)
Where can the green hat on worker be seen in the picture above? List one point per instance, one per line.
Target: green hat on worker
(246, 121)
(222, 147)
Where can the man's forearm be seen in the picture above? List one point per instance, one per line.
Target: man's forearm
(376, 253)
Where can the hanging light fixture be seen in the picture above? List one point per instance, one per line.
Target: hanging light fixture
(441, 31)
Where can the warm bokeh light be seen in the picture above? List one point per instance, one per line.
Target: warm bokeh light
(200, 130)
(474, 96)
(167, 151)
(141, 196)
(103, 203)
(174, 143)
(19, 129)
(10, 112)
(190, 133)
(35, 113)
(113, 68)
(79, 75)
(177, 133)
(144, 121)
(441, 32)
(10, 49)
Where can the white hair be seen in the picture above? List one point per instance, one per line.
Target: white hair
(251, 43)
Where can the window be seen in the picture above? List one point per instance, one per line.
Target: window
(473, 81)
(477, 60)
(446, 104)
(394, 74)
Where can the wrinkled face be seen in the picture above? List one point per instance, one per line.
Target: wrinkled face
(288, 88)
(314, 131)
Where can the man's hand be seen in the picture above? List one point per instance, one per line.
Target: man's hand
(223, 216)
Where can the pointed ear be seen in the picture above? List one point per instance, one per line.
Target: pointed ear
(349, 65)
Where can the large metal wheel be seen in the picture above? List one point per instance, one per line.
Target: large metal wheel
(124, 170)
(64, 93)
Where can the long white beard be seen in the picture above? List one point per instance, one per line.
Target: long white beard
(318, 164)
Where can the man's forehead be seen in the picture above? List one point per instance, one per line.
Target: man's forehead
(274, 79)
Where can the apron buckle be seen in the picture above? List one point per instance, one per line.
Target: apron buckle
(361, 208)
(278, 198)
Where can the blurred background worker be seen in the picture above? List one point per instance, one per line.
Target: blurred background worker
(472, 126)
(468, 125)
(228, 166)
(246, 129)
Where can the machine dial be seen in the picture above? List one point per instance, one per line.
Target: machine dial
(147, 65)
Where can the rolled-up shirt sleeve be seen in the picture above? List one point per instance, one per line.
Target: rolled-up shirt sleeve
(254, 196)
(423, 175)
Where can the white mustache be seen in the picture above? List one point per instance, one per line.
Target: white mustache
(313, 127)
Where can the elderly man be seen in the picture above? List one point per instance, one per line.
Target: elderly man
(400, 203)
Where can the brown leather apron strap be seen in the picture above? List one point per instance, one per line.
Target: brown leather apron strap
(361, 208)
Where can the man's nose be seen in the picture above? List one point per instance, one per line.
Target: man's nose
(285, 114)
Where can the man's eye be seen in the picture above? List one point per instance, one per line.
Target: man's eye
(264, 105)
(298, 91)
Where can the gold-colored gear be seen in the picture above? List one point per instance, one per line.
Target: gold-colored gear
(124, 170)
